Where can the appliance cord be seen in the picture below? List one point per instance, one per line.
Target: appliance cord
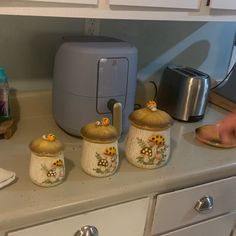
(226, 77)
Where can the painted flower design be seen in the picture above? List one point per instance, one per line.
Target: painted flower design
(157, 140)
(152, 150)
(54, 172)
(146, 151)
(58, 163)
(107, 161)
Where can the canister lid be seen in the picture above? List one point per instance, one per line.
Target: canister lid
(47, 145)
(150, 118)
(99, 132)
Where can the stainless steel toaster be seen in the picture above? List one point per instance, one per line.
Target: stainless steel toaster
(183, 93)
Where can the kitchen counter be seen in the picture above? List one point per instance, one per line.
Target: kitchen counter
(23, 204)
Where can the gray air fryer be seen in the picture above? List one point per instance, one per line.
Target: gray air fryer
(94, 77)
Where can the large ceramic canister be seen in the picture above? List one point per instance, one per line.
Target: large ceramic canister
(99, 155)
(47, 165)
(148, 140)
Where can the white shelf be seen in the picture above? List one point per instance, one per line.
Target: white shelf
(101, 9)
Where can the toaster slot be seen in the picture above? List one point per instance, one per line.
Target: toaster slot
(185, 72)
(188, 71)
(197, 72)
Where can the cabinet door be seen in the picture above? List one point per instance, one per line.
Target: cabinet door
(187, 4)
(124, 219)
(220, 226)
(223, 4)
(67, 1)
(179, 207)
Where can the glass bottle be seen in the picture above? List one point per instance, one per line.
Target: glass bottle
(4, 95)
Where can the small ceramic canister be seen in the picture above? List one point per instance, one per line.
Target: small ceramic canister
(148, 140)
(99, 155)
(47, 166)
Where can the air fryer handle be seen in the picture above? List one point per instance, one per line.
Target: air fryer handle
(116, 108)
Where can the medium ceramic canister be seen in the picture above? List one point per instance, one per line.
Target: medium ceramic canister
(99, 156)
(148, 140)
(47, 166)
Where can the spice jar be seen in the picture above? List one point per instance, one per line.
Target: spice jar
(47, 166)
(99, 156)
(148, 140)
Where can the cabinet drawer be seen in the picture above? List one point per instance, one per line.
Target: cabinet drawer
(219, 226)
(176, 209)
(92, 2)
(127, 217)
(193, 4)
(220, 4)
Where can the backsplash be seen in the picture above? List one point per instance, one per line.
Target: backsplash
(28, 45)
(206, 46)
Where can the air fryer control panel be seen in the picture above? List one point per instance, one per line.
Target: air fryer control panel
(112, 82)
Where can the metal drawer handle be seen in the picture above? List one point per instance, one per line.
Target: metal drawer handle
(204, 204)
(87, 231)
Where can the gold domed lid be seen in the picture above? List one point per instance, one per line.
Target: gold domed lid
(150, 118)
(47, 145)
(99, 132)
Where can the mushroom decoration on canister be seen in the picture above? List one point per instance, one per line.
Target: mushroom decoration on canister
(148, 140)
(99, 155)
(47, 165)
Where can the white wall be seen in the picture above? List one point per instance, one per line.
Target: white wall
(206, 46)
(28, 45)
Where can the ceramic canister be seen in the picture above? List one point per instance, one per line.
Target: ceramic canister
(148, 140)
(47, 166)
(99, 155)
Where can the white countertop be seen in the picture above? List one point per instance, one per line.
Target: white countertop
(23, 203)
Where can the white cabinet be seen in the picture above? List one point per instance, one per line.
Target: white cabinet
(223, 4)
(67, 1)
(219, 226)
(123, 219)
(179, 209)
(171, 10)
(189, 4)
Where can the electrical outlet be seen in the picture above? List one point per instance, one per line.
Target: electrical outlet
(92, 27)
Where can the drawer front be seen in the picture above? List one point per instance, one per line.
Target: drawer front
(219, 226)
(128, 218)
(177, 209)
(185, 4)
(93, 2)
(220, 4)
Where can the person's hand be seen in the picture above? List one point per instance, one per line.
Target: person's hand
(227, 129)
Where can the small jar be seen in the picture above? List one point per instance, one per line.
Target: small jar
(148, 140)
(47, 165)
(99, 156)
